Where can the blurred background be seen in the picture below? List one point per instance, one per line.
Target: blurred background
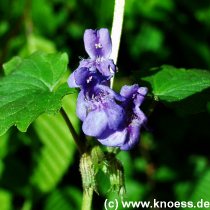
(39, 169)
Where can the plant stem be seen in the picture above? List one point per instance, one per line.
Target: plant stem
(115, 35)
(80, 144)
(87, 199)
(117, 30)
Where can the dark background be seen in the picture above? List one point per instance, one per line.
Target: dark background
(172, 161)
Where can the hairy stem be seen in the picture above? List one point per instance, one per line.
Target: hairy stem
(80, 144)
(87, 199)
(117, 30)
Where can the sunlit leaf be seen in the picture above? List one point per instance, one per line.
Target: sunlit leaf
(171, 84)
(37, 43)
(164, 174)
(141, 164)
(200, 163)
(201, 190)
(5, 200)
(149, 39)
(182, 190)
(65, 199)
(4, 148)
(32, 88)
(4, 145)
(57, 149)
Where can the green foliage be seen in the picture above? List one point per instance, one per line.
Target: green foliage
(65, 199)
(31, 88)
(139, 43)
(201, 190)
(5, 200)
(37, 43)
(171, 84)
(57, 150)
(164, 174)
(4, 147)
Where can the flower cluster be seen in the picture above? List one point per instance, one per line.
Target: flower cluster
(114, 119)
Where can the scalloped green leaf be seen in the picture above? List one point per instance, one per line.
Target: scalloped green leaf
(171, 84)
(32, 87)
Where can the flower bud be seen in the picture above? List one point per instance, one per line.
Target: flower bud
(97, 156)
(87, 173)
(116, 176)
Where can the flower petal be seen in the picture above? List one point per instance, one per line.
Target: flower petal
(141, 117)
(71, 81)
(105, 41)
(132, 138)
(95, 123)
(134, 93)
(81, 75)
(115, 115)
(85, 78)
(116, 139)
(142, 91)
(107, 68)
(128, 91)
(111, 92)
(97, 43)
(90, 39)
(81, 106)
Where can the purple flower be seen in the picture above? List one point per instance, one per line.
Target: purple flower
(98, 46)
(127, 137)
(84, 78)
(98, 43)
(99, 111)
(114, 119)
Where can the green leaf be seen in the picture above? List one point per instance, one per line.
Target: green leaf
(4, 145)
(65, 199)
(171, 84)
(4, 148)
(37, 43)
(57, 151)
(199, 163)
(9, 67)
(201, 190)
(31, 88)
(164, 174)
(5, 200)
(182, 190)
(135, 190)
